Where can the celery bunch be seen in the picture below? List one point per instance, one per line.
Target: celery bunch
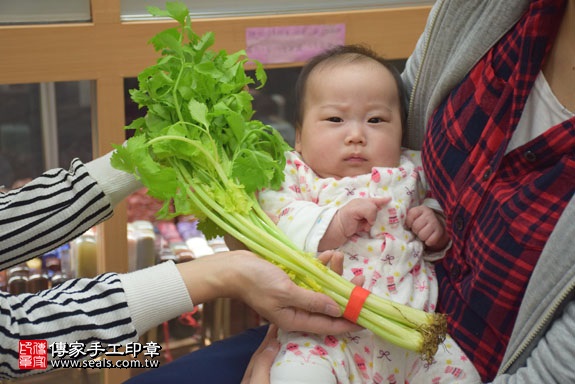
(199, 152)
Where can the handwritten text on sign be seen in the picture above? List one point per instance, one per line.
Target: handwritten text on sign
(292, 44)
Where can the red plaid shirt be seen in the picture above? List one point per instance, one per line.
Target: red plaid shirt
(500, 208)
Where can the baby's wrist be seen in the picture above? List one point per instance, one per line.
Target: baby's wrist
(334, 235)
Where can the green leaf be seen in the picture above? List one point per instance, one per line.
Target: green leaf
(178, 11)
(122, 160)
(253, 169)
(168, 39)
(261, 74)
(203, 44)
(136, 124)
(209, 229)
(155, 11)
(199, 112)
(197, 129)
(155, 124)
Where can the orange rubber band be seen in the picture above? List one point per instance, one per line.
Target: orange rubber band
(355, 303)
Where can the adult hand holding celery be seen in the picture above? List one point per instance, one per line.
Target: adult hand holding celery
(199, 152)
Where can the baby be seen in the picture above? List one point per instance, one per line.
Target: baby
(349, 185)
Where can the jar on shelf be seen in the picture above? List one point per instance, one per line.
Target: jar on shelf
(3, 281)
(38, 282)
(57, 279)
(18, 284)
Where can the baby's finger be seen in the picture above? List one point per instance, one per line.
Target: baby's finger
(333, 259)
(380, 201)
(411, 217)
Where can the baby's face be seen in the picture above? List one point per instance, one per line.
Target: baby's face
(351, 120)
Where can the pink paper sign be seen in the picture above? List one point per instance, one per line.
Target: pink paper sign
(292, 44)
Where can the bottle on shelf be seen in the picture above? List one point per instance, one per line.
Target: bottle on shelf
(141, 245)
(83, 255)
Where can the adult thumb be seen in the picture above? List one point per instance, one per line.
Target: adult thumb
(258, 371)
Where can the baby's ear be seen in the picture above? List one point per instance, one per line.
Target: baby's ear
(297, 145)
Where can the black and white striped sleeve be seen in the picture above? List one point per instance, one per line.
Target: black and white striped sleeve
(51, 210)
(79, 310)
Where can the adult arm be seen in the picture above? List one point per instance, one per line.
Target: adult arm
(265, 288)
(59, 206)
(110, 308)
(49, 211)
(552, 359)
(114, 308)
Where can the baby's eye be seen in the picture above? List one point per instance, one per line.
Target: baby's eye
(375, 120)
(335, 119)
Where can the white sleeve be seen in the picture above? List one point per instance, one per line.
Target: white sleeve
(302, 220)
(116, 184)
(147, 288)
(306, 224)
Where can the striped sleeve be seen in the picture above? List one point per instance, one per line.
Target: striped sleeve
(51, 210)
(79, 310)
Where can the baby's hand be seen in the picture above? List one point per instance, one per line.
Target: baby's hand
(428, 227)
(356, 216)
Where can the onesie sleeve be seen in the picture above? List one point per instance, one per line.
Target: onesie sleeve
(306, 223)
(293, 206)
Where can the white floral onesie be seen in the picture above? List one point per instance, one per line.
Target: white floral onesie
(390, 257)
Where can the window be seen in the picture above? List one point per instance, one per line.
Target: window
(136, 9)
(43, 126)
(43, 11)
